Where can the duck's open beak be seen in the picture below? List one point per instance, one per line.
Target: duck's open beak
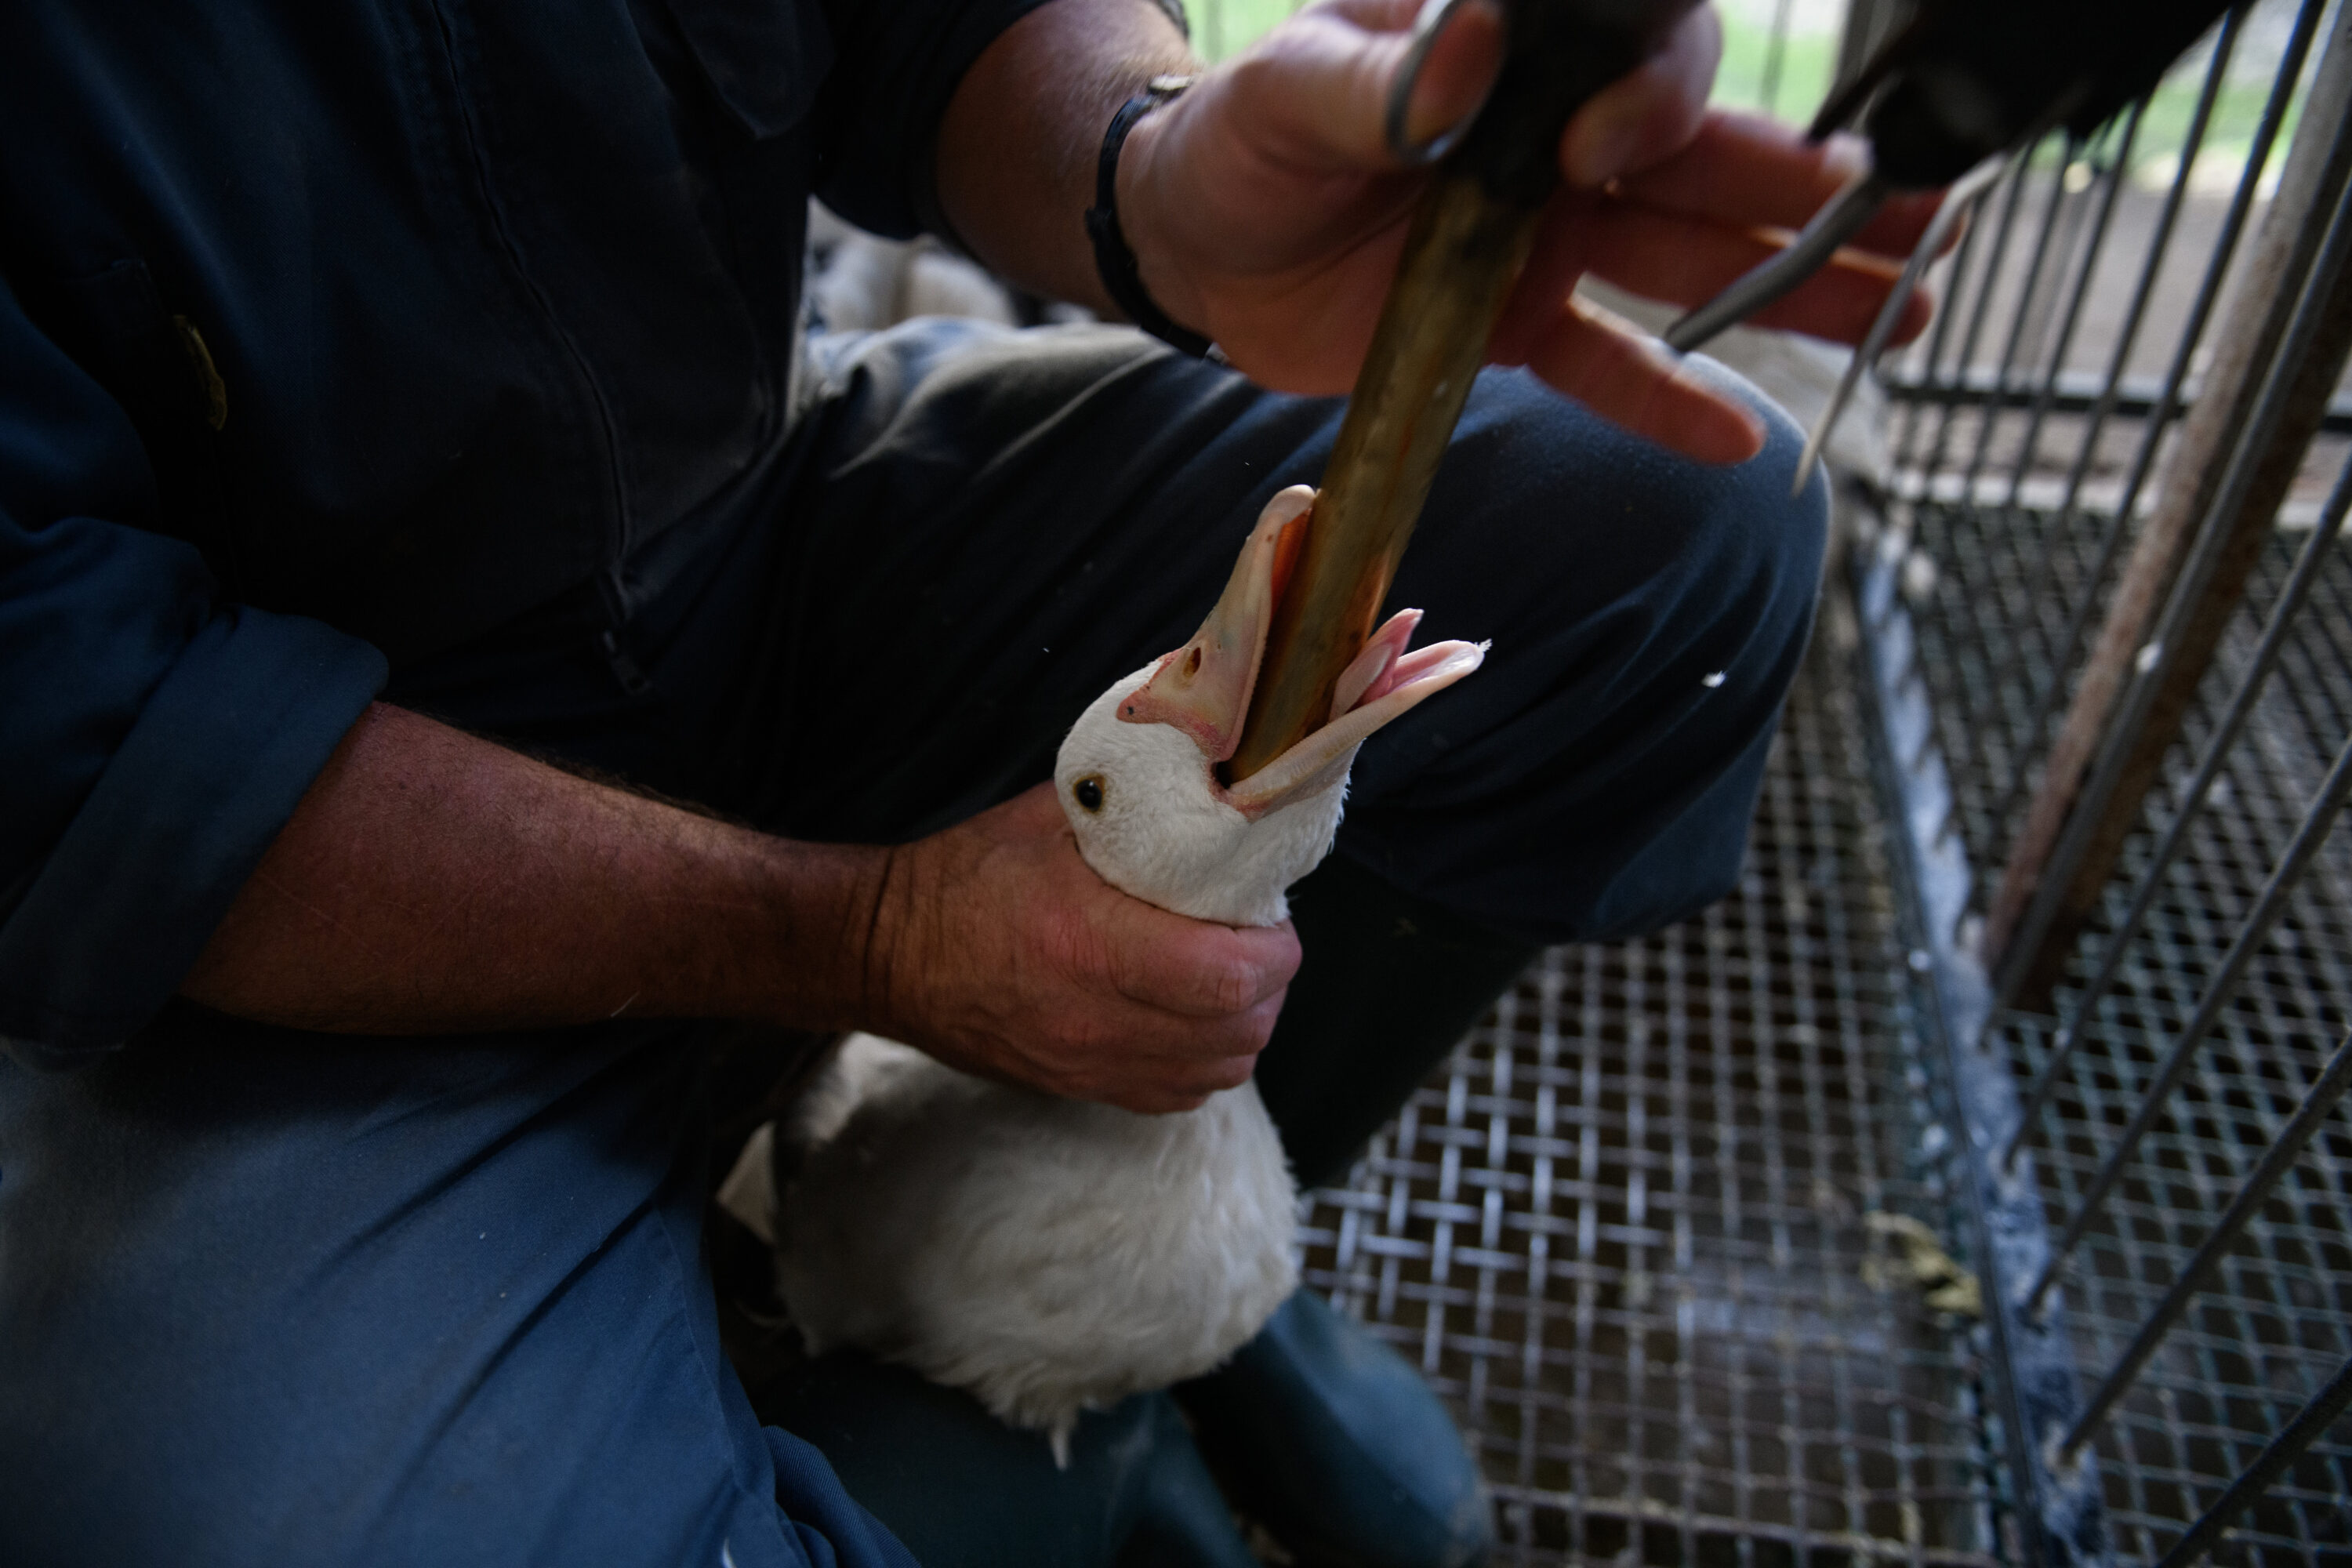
(1204, 688)
(1384, 682)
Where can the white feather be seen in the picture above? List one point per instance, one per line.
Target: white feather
(1164, 835)
(1048, 1255)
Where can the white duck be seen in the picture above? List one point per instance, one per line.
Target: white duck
(1048, 1255)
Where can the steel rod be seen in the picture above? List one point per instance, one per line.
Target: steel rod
(1960, 201)
(2052, 867)
(2144, 652)
(1839, 220)
(2008, 659)
(2309, 1425)
(2309, 564)
(1970, 238)
(1996, 253)
(1463, 255)
(2118, 168)
(1997, 657)
(2225, 243)
(2053, 210)
(2077, 392)
(2309, 835)
(2318, 1101)
(1987, 284)
(2167, 403)
(1913, 418)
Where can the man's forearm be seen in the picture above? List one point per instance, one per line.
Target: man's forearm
(1018, 145)
(432, 881)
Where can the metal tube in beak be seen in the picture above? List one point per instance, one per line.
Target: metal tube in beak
(1469, 239)
(1204, 688)
(1464, 254)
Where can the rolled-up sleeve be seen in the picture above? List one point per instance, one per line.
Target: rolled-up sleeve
(154, 738)
(896, 66)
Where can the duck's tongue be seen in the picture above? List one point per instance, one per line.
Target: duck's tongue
(1204, 688)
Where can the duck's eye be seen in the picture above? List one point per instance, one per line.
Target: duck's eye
(1089, 792)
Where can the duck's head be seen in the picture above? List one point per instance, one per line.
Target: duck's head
(1137, 773)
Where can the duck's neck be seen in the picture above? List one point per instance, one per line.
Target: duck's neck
(1247, 885)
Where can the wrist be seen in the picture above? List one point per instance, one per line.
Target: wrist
(1142, 238)
(790, 946)
(903, 909)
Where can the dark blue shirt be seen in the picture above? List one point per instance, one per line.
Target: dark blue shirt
(336, 334)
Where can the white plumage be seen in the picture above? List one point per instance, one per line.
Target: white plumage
(1052, 1256)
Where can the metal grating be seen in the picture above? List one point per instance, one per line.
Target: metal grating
(1626, 1232)
(2279, 1321)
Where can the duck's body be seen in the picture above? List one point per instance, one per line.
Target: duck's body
(1048, 1255)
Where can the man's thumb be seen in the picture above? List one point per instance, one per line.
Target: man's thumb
(1321, 83)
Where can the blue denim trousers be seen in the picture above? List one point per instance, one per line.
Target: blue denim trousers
(276, 1297)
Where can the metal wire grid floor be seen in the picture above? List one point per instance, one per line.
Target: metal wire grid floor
(1624, 1231)
(2279, 1321)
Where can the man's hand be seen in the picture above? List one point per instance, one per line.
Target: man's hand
(1265, 208)
(431, 881)
(998, 951)
(1268, 212)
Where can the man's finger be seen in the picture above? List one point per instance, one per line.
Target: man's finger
(1319, 90)
(1159, 1041)
(1650, 113)
(1216, 1077)
(1158, 1083)
(1687, 261)
(1197, 970)
(1164, 1099)
(1460, 68)
(1315, 93)
(1631, 379)
(1185, 1090)
(1744, 169)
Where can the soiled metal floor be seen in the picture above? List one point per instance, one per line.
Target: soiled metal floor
(1628, 1229)
(2279, 1321)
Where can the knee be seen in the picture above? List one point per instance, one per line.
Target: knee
(1649, 614)
(1762, 522)
(1724, 560)
(1553, 518)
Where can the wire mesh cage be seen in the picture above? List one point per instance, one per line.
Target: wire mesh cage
(1664, 1231)
(2120, 441)
(1965, 1187)
(2108, 572)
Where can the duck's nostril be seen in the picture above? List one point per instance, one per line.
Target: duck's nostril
(1192, 663)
